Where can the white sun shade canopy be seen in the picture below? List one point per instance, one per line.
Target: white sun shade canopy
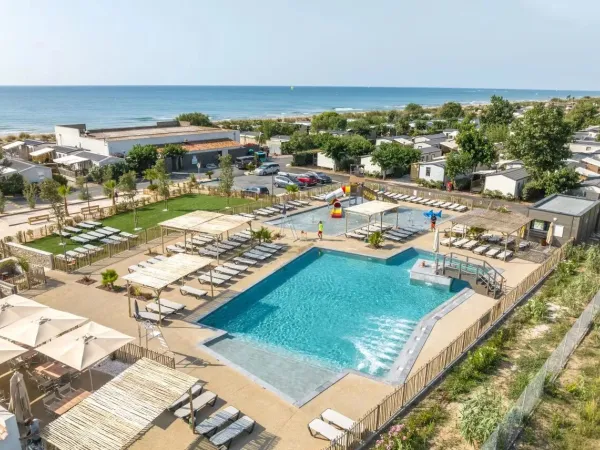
(84, 346)
(371, 208)
(169, 271)
(12, 145)
(68, 160)
(42, 151)
(206, 222)
(40, 327)
(14, 308)
(8, 351)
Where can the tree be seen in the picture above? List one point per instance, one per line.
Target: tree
(96, 173)
(474, 142)
(12, 184)
(2, 203)
(356, 145)
(329, 120)
(49, 191)
(226, 179)
(413, 110)
(458, 163)
(262, 235)
(376, 239)
(361, 127)
(450, 110)
(109, 277)
(298, 142)
(402, 126)
(559, 181)
(109, 188)
(151, 174)
(175, 152)
(292, 189)
(195, 118)
(81, 183)
(582, 113)
(30, 192)
(163, 181)
(498, 112)
(141, 157)
(540, 140)
(335, 149)
(127, 185)
(394, 156)
(64, 192)
(496, 133)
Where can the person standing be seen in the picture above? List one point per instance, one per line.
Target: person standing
(433, 221)
(320, 233)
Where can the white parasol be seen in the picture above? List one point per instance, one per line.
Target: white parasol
(8, 351)
(19, 399)
(15, 307)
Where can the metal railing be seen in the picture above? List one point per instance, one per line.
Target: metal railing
(481, 269)
(130, 353)
(510, 427)
(378, 418)
(416, 191)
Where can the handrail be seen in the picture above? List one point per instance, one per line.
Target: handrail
(483, 269)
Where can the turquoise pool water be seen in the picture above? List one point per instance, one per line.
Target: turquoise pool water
(332, 310)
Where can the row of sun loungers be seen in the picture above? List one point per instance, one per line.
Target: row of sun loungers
(276, 209)
(396, 235)
(484, 249)
(425, 201)
(331, 425)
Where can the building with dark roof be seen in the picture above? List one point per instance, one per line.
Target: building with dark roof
(509, 182)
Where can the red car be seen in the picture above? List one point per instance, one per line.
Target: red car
(309, 180)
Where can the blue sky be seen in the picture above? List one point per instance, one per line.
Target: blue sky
(543, 44)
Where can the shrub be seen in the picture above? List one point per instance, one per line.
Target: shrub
(12, 185)
(109, 277)
(152, 187)
(509, 197)
(262, 235)
(209, 174)
(376, 239)
(2, 203)
(60, 179)
(479, 417)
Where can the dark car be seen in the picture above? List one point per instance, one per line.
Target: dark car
(255, 190)
(322, 177)
(307, 179)
(282, 182)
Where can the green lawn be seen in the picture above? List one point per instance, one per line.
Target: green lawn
(148, 216)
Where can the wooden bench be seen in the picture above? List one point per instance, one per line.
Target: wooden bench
(90, 210)
(43, 217)
(193, 291)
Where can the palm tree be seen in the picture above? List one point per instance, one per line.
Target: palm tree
(292, 189)
(151, 174)
(64, 191)
(376, 239)
(262, 234)
(109, 189)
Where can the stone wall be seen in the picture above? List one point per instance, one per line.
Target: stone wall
(34, 256)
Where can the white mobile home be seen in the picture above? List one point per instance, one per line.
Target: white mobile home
(509, 182)
(433, 170)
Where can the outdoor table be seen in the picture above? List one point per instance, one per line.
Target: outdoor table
(69, 401)
(53, 370)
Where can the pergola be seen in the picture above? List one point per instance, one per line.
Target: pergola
(370, 209)
(203, 222)
(114, 416)
(166, 272)
(489, 220)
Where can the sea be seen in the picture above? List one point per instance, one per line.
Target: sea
(38, 109)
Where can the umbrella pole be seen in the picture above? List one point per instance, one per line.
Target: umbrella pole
(192, 414)
(212, 292)
(91, 380)
(128, 299)
(159, 310)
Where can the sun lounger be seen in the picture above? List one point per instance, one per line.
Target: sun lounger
(403, 197)
(248, 216)
(73, 229)
(227, 271)
(96, 235)
(149, 316)
(114, 230)
(238, 267)
(448, 241)
(481, 249)
(318, 427)
(258, 251)
(247, 261)
(73, 254)
(445, 205)
(522, 245)
(391, 237)
(87, 236)
(171, 304)
(153, 260)
(64, 258)
(508, 241)
(273, 246)
(92, 247)
(175, 249)
(295, 203)
(411, 199)
(337, 419)
(161, 257)
(260, 212)
(262, 248)
(303, 202)
(430, 202)
(125, 234)
(257, 256)
(108, 230)
(206, 279)
(108, 241)
(205, 252)
(62, 233)
(212, 424)
(198, 242)
(100, 232)
(461, 208)
(96, 224)
(192, 291)
(133, 268)
(461, 242)
(80, 239)
(399, 234)
(225, 438)
(153, 307)
(355, 236)
(273, 210)
(232, 244)
(241, 239)
(82, 251)
(470, 245)
(453, 206)
(504, 255)
(203, 400)
(493, 252)
(196, 390)
(218, 251)
(221, 245)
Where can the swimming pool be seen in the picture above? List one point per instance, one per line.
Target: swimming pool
(330, 310)
(309, 220)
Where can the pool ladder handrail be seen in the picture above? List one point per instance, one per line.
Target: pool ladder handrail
(481, 269)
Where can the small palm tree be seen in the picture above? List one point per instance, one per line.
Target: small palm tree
(109, 276)
(209, 174)
(376, 239)
(109, 189)
(262, 234)
(151, 174)
(64, 191)
(292, 189)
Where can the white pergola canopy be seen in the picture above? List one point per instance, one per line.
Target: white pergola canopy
(69, 160)
(371, 208)
(205, 222)
(13, 145)
(167, 272)
(42, 151)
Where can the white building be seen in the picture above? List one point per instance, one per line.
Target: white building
(372, 168)
(404, 140)
(509, 182)
(34, 173)
(118, 141)
(324, 161)
(275, 142)
(433, 170)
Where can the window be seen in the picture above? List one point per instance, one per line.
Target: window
(540, 225)
(427, 171)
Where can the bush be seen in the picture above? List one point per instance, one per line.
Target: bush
(60, 179)
(415, 433)
(479, 417)
(109, 277)
(376, 239)
(536, 310)
(509, 197)
(12, 185)
(532, 191)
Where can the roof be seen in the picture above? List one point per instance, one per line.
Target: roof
(92, 156)
(427, 150)
(115, 415)
(210, 145)
(564, 204)
(517, 173)
(592, 161)
(449, 144)
(70, 159)
(205, 222)
(20, 165)
(41, 151)
(490, 220)
(439, 163)
(169, 271)
(66, 149)
(280, 137)
(250, 133)
(371, 208)
(431, 137)
(12, 145)
(592, 181)
(122, 134)
(33, 142)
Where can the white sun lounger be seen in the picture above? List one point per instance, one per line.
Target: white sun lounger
(337, 419)
(212, 424)
(153, 307)
(318, 427)
(493, 252)
(470, 245)
(461, 208)
(460, 243)
(273, 210)
(448, 241)
(403, 197)
(96, 235)
(355, 236)
(125, 234)
(79, 239)
(62, 233)
(108, 241)
(411, 199)
(96, 224)
(238, 267)
(225, 438)
(73, 229)
(303, 202)
(227, 271)
(254, 251)
(175, 249)
(203, 400)
(481, 249)
(232, 244)
(133, 268)
(215, 281)
(504, 255)
(83, 251)
(114, 230)
(153, 260)
(273, 246)
(161, 257)
(522, 245)
(86, 226)
(170, 304)
(196, 390)
(247, 261)
(248, 216)
(445, 205)
(241, 239)
(205, 252)
(391, 237)
(262, 248)
(192, 291)
(92, 248)
(149, 316)
(73, 254)
(453, 206)
(260, 212)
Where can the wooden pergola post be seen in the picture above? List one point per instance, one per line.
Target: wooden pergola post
(212, 290)
(158, 291)
(162, 239)
(128, 299)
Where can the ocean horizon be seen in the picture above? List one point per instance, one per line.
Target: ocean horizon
(37, 109)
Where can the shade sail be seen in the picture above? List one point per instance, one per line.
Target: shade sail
(164, 273)
(68, 160)
(371, 208)
(41, 327)
(15, 307)
(205, 222)
(42, 151)
(13, 145)
(84, 346)
(8, 351)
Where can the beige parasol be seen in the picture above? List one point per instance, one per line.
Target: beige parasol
(19, 399)
(14, 307)
(8, 351)
(40, 327)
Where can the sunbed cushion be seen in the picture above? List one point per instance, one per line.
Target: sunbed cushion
(232, 431)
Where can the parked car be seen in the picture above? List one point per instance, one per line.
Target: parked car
(256, 190)
(212, 166)
(307, 179)
(282, 182)
(322, 177)
(267, 169)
